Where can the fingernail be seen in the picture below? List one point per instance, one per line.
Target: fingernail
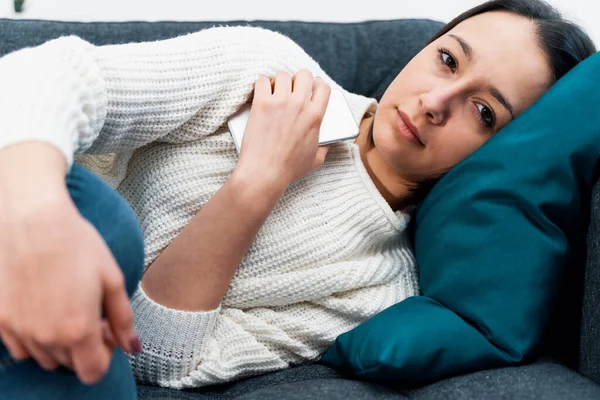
(135, 344)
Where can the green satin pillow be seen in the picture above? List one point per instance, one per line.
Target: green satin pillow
(492, 240)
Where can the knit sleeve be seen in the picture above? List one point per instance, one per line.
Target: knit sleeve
(172, 340)
(116, 98)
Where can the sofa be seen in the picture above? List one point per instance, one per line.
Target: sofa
(364, 58)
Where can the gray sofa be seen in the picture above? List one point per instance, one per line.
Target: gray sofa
(364, 58)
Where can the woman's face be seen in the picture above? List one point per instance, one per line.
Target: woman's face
(457, 92)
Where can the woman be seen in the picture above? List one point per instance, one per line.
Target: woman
(257, 263)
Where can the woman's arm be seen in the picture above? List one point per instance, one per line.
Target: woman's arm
(194, 271)
(104, 99)
(280, 145)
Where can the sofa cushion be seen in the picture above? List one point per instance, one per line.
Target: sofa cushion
(545, 379)
(301, 374)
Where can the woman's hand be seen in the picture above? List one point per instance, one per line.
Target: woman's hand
(281, 140)
(56, 272)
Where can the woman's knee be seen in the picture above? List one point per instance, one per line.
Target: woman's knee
(113, 218)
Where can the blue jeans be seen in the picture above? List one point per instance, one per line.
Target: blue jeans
(117, 224)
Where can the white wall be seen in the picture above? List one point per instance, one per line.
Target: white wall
(585, 12)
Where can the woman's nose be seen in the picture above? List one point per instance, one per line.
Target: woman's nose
(436, 104)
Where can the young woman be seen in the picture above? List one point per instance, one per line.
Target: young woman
(257, 262)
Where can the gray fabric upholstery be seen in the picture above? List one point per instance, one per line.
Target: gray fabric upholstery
(589, 350)
(364, 58)
(303, 375)
(543, 380)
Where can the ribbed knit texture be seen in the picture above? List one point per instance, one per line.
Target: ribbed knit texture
(331, 254)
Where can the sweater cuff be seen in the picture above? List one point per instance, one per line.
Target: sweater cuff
(172, 340)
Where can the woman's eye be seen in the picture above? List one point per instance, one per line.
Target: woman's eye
(486, 115)
(448, 59)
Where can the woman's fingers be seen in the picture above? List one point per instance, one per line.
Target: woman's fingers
(107, 335)
(41, 355)
(15, 347)
(118, 309)
(61, 355)
(283, 84)
(303, 84)
(283, 129)
(322, 153)
(320, 158)
(91, 358)
(48, 358)
(320, 95)
(262, 88)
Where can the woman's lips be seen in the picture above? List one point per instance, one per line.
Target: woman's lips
(407, 129)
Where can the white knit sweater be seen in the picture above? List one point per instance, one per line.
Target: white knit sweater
(331, 254)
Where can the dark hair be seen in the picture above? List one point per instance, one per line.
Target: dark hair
(565, 43)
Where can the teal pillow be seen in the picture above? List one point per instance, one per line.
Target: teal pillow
(492, 240)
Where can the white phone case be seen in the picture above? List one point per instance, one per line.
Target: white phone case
(338, 122)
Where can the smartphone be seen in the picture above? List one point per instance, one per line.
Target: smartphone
(338, 122)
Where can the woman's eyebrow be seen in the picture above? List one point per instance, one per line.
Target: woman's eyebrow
(466, 47)
(468, 50)
(498, 96)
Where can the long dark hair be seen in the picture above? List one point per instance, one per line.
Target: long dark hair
(566, 44)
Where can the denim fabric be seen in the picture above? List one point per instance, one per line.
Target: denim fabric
(117, 223)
